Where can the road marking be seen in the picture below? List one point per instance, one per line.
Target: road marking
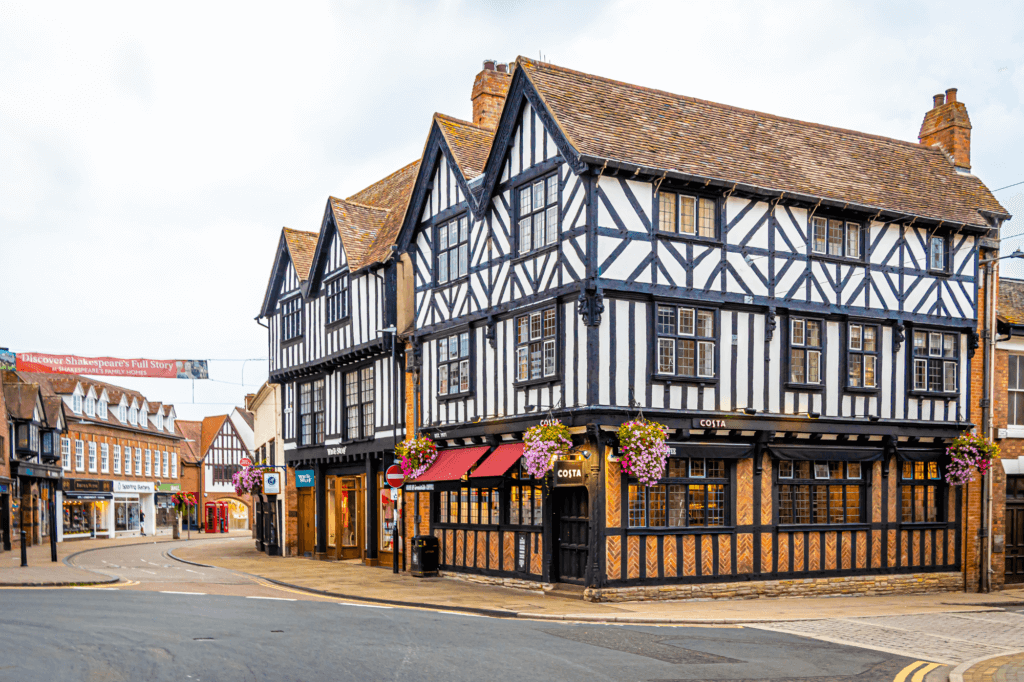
(919, 675)
(170, 592)
(274, 598)
(85, 587)
(191, 571)
(367, 606)
(145, 571)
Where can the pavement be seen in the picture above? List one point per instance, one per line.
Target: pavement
(42, 571)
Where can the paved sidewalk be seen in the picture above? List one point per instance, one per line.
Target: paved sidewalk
(354, 581)
(999, 669)
(42, 572)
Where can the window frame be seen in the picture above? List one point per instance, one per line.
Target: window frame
(1015, 389)
(292, 319)
(698, 199)
(364, 431)
(116, 461)
(79, 455)
(933, 362)
(860, 351)
(543, 340)
(468, 359)
(317, 418)
(65, 454)
(687, 482)
(337, 300)
(936, 483)
(826, 252)
(947, 255)
(803, 345)
(545, 181)
(861, 481)
(657, 337)
(449, 250)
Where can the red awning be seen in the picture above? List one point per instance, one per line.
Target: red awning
(452, 464)
(499, 461)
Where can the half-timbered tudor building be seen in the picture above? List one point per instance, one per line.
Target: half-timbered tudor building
(331, 308)
(795, 302)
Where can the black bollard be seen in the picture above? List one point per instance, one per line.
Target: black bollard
(24, 550)
(53, 532)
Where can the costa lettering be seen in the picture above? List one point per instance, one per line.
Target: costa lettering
(711, 423)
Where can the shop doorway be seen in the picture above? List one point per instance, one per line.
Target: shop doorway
(1014, 529)
(571, 507)
(307, 522)
(345, 517)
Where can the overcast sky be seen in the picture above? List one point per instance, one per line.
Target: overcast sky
(150, 154)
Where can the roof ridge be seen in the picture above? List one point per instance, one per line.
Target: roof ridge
(730, 107)
(386, 177)
(459, 121)
(292, 229)
(359, 204)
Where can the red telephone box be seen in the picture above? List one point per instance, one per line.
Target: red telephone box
(217, 517)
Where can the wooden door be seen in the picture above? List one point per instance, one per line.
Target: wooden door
(307, 522)
(572, 533)
(349, 503)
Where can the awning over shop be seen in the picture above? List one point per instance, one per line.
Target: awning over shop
(826, 454)
(712, 450)
(499, 461)
(920, 454)
(452, 464)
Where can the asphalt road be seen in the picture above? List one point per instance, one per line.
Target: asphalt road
(190, 624)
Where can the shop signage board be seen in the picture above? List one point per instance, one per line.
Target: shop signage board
(303, 478)
(419, 487)
(245, 461)
(87, 485)
(168, 488)
(568, 473)
(5, 488)
(394, 476)
(271, 483)
(134, 487)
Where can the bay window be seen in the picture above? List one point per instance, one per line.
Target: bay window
(686, 341)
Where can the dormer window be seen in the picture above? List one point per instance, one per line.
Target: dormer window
(159, 420)
(76, 404)
(144, 416)
(170, 423)
(122, 413)
(133, 416)
(90, 407)
(102, 410)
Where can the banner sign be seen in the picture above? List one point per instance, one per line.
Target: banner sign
(7, 359)
(121, 367)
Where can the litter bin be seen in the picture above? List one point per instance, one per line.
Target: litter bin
(424, 560)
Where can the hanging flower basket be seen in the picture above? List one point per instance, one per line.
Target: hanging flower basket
(643, 450)
(967, 453)
(249, 480)
(544, 444)
(416, 455)
(183, 502)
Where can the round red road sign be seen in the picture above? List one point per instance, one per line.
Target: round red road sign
(245, 461)
(394, 476)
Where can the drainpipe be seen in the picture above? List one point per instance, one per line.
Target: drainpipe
(986, 500)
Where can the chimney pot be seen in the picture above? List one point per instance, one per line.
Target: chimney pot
(938, 100)
(489, 89)
(502, 68)
(947, 125)
(950, 95)
(488, 65)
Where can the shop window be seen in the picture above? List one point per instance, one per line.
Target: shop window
(536, 346)
(453, 250)
(386, 517)
(470, 505)
(921, 492)
(805, 347)
(820, 492)
(935, 362)
(85, 517)
(686, 341)
(862, 356)
(526, 498)
(538, 214)
(453, 364)
(693, 494)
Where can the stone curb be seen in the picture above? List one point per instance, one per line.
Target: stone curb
(957, 673)
(77, 583)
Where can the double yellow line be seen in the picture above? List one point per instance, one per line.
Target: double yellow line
(917, 669)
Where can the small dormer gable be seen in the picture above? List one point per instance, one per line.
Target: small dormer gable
(76, 398)
(144, 414)
(102, 405)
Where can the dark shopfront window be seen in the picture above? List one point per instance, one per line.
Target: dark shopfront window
(820, 492)
(692, 495)
(484, 505)
(921, 492)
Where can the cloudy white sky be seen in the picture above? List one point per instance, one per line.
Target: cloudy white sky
(150, 153)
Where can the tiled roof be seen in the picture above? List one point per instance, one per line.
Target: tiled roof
(661, 131)
(193, 433)
(358, 225)
(21, 400)
(248, 416)
(301, 246)
(1011, 301)
(52, 406)
(391, 194)
(211, 427)
(470, 144)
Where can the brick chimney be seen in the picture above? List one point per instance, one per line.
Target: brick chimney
(948, 126)
(489, 90)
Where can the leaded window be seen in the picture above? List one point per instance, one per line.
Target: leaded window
(470, 505)
(453, 355)
(291, 319)
(686, 341)
(311, 412)
(686, 215)
(862, 356)
(693, 494)
(836, 237)
(921, 492)
(453, 250)
(937, 254)
(805, 346)
(536, 347)
(935, 361)
(366, 396)
(337, 299)
(538, 214)
(820, 492)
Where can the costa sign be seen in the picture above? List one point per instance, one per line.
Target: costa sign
(710, 424)
(568, 473)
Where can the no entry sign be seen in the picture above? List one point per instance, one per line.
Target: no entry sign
(394, 476)
(245, 461)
